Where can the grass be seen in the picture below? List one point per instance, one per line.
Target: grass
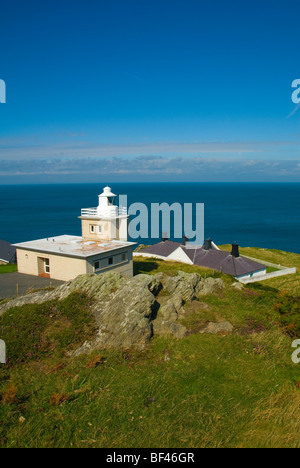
(10, 268)
(234, 390)
(152, 266)
(34, 332)
(213, 392)
(272, 269)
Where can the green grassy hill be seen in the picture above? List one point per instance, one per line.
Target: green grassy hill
(228, 390)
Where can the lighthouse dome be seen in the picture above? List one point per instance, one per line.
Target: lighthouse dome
(107, 205)
(107, 193)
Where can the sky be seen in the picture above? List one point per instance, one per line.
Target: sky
(149, 90)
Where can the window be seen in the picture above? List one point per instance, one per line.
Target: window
(111, 260)
(97, 265)
(92, 228)
(99, 229)
(47, 265)
(124, 257)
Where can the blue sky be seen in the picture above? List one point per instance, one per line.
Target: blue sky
(149, 90)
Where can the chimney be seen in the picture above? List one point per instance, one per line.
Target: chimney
(235, 250)
(208, 244)
(184, 240)
(164, 236)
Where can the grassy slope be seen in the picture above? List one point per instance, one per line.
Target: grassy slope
(8, 268)
(202, 391)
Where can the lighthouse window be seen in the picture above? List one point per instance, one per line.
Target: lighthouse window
(99, 229)
(92, 228)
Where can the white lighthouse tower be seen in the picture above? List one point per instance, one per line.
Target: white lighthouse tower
(107, 221)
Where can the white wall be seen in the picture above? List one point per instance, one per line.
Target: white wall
(180, 256)
(274, 274)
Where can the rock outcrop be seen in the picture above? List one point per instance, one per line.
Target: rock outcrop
(216, 328)
(129, 311)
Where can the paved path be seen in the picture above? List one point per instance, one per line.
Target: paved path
(9, 282)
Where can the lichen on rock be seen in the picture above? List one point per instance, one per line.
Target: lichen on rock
(128, 312)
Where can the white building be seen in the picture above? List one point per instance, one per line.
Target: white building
(102, 247)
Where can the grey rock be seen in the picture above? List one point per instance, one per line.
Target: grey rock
(215, 328)
(127, 311)
(238, 286)
(209, 286)
(165, 323)
(170, 328)
(177, 301)
(182, 287)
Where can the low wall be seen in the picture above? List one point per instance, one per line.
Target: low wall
(274, 274)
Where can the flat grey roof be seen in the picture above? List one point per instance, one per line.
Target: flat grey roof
(73, 246)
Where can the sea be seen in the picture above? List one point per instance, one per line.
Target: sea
(265, 215)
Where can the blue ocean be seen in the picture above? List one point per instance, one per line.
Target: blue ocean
(258, 215)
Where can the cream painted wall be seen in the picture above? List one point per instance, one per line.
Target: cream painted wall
(106, 229)
(61, 268)
(114, 229)
(67, 268)
(124, 267)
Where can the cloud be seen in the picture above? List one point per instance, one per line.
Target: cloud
(150, 167)
(26, 149)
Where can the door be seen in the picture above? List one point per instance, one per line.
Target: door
(44, 267)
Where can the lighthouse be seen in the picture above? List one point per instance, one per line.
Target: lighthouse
(102, 247)
(107, 221)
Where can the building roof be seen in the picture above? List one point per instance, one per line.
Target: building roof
(7, 252)
(72, 246)
(107, 193)
(223, 261)
(163, 249)
(213, 258)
